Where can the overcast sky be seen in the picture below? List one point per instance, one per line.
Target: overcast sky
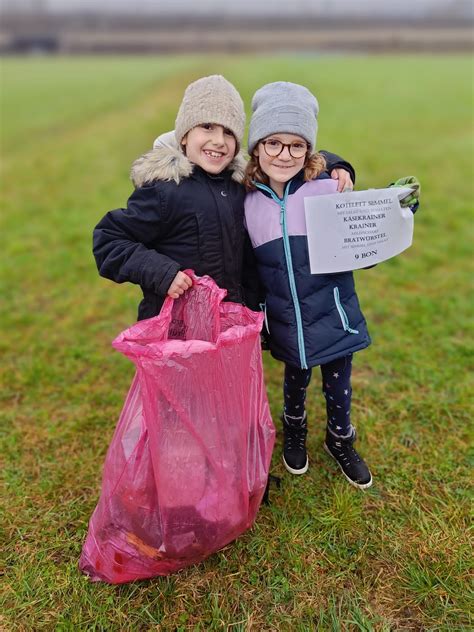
(251, 7)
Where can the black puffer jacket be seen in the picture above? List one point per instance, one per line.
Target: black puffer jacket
(180, 217)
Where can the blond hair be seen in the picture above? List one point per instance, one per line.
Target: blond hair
(314, 164)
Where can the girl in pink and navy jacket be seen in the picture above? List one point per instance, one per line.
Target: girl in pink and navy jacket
(312, 319)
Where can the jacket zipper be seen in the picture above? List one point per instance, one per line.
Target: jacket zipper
(289, 265)
(342, 313)
(263, 308)
(219, 182)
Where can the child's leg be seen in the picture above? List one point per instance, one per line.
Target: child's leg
(340, 434)
(337, 390)
(294, 391)
(295, 426)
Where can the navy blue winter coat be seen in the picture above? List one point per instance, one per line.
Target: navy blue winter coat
(312, 319)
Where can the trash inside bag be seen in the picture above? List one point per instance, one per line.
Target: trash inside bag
(189, 461)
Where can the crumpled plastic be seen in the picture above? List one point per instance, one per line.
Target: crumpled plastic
(189, 460)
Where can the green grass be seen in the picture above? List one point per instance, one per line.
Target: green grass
(322, 555)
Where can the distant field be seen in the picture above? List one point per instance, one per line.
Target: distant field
(322, 556)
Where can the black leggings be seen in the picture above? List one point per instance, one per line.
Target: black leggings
(336, 377)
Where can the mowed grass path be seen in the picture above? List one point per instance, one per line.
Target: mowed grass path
(322, 556)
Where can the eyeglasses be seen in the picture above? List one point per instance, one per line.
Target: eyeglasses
(273, 148)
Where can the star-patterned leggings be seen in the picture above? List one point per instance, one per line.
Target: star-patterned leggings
(336, 378)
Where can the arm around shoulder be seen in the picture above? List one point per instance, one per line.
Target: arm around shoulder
(333, 161)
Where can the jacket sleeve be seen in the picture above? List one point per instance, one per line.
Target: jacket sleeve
(336, 162)
(122, 243)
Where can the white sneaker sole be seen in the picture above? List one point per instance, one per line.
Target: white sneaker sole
(303, 470)
(353, 483)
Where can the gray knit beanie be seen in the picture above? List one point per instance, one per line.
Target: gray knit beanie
(283, 107)
(211, 100)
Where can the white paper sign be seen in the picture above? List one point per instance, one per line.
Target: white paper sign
(347, 231)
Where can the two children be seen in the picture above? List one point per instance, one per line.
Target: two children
(187, 211)
(312, 319)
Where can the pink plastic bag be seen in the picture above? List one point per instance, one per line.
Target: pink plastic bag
(188, 464)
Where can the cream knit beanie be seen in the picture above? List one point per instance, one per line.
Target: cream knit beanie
(211, 100)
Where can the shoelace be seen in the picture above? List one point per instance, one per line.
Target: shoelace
(347, 451)
(295, 437)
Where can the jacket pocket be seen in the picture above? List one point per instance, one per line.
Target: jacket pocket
(342, 313)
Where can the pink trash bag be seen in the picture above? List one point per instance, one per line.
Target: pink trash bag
(189, 461)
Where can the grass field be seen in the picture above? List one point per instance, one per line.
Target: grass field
(322, 556)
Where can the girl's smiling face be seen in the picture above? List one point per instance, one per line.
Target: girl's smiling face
(280, 169)
(210, 146)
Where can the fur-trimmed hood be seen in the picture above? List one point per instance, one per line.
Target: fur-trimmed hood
(165, 162)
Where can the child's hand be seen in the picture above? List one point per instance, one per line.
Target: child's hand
(345, 183)
(180, 284)
(412, 199)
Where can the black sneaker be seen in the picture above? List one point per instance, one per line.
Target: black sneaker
(295, 458)
(352, 465)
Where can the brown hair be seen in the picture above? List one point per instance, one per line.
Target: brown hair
(314, 164)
